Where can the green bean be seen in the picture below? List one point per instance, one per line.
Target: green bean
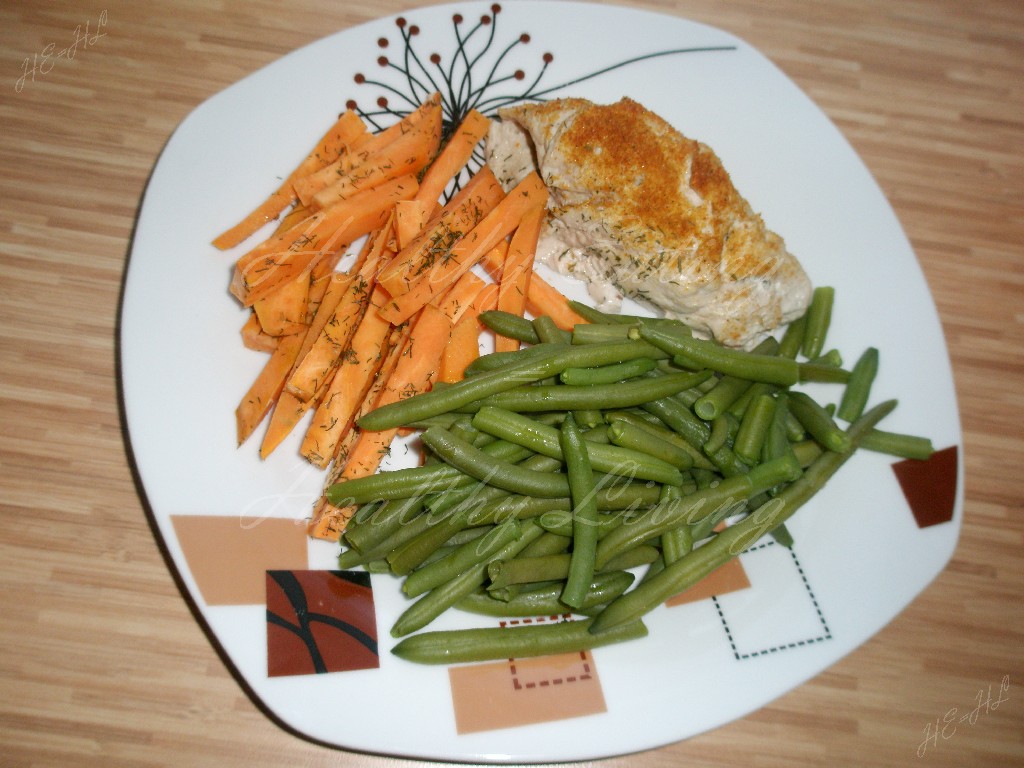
(679, 419)
(627, 435)
(477, 464)
(588, 418)
(561, 522)
(607, 374)
(545, 601)
(754, 429)
(462, 558)
(819, 317)
(734, 539)
(833, 358)
(726, 392)
(722, 430)
(415, 550)
(782, 536)
(439, 599)
(597, 317)
(389, 517)
(456, 646)
(806, 451)
(817, 421)
(670, 514)
(548, 544)
(497, 361)
(489, 383)
(758, 388)
(549, 333)
(616, 498)
(698, 353)
(593, 332)
(793, 338)
(897, 444)
(823, 372)
(540, 398)
(416, 481)
(657, 429)
(677, 541)
(543, 439)
(688, 510)
(584, 512)
(529, 570)
(858, 388)
(726, 461)
(509, 325)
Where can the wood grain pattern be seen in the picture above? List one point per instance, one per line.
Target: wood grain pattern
(103, 663)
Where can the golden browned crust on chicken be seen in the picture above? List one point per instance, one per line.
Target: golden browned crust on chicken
(659, 216)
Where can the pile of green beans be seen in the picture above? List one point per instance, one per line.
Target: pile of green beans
(587, 474)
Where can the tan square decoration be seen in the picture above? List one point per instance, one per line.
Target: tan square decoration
(516, 692)
(229, 556)
(730, 577)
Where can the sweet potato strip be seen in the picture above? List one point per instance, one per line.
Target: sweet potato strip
(263, 393)
(416, 370)
(325, 352)
(529, 194)
(346, 129)
(464, 342)
(365, 147)
(460, 297)
(453, 158)
(410, 218)
(517, 271)
(462, 213)
(349, 385)
(283, 312)
(328, 521)
(289, 410)
(410, 153)
(541, 298)
(254, 338)
(290, 254)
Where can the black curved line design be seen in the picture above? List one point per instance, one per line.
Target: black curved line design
(296, 597)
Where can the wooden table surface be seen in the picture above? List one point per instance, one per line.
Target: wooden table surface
(103, 663)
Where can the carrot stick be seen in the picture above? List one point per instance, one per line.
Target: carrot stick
(408, 154)
(263, 393)
(347, 127)
(462, 349)
(254, 338)
(517, 271)
(351, 381)
(292, 253)
(367, 146)
(503, 219)
(461, 214)
(453, 158)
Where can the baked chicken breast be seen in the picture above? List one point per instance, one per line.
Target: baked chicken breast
(638, 209)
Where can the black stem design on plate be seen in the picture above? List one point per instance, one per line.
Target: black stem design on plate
(458, 81)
